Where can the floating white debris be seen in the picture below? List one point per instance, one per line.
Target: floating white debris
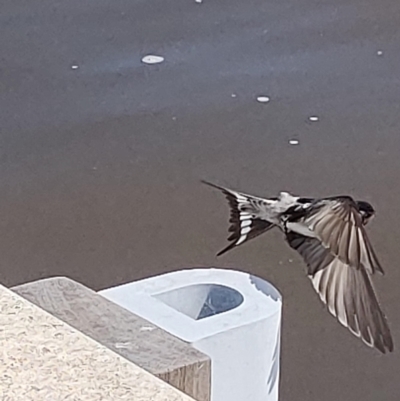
(263, 99)
(313, 118)
(198, 1)
(74, 67)
(151, 59)
(294, 142)
(233, 95)
(379, 52)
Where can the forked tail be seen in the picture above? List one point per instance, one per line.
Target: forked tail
(244, 209)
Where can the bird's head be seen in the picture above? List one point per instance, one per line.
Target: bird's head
(366, 210)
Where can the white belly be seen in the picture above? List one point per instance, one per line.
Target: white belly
(300, 229)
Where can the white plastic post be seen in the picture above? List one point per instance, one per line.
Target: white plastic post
(232, 316)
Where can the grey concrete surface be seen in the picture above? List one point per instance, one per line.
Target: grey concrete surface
(100, 165)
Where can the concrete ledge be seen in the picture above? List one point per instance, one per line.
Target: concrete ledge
(132, 337)
(43, 358)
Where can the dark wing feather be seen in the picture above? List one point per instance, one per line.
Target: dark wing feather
(314, 254)
(339, 226)
(243, 217)
(348, 292)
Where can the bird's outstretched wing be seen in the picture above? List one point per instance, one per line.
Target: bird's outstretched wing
(244, 217)
(347, 291)
(337, 223)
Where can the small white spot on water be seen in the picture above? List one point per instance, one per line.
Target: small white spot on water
(379, 52)
(198, 1)
(74, 67)
(233, 95)
(263, 99)
(313, 118)
(151, 59)
(294, 142)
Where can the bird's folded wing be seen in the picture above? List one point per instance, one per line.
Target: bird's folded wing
(338, 225)
(244, 212)
(348, 292)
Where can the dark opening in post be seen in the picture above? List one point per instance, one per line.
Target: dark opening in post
(200, 301)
